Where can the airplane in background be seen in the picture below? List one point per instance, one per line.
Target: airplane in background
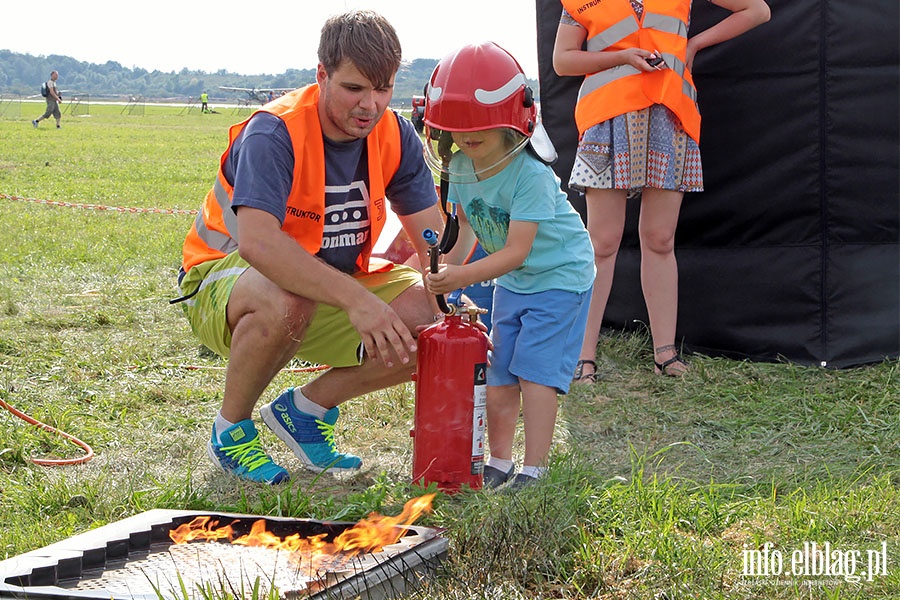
(260, 95)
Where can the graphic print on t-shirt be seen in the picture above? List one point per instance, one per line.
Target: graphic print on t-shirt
(490, 223)
(347, 225)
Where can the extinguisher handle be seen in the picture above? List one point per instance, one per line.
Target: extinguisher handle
(434, 252)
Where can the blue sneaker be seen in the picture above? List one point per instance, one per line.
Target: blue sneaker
(34, 123)
(311, 439)
(245, 457)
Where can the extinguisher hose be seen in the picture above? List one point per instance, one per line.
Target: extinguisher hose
(447, 241)
(434, 254)
(451, 223)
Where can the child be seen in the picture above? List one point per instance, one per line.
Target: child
(538, 249)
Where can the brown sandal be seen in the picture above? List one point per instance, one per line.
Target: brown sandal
(581, 376)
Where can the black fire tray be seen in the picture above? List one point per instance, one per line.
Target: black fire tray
(61, 571)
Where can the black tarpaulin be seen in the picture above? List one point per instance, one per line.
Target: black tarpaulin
(793, 250)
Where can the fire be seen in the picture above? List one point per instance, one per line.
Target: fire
(377, 531)
(368, 535)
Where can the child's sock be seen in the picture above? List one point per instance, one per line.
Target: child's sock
(500, 464)
(305, 405)
(535, 472)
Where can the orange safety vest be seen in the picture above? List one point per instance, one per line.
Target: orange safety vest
(613, 25)
(214, 232)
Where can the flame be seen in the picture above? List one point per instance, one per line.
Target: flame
(377, 531)
(368, 535)
(203, 529)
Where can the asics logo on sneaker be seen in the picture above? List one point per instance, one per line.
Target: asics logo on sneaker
(285, 417)
(236, 434)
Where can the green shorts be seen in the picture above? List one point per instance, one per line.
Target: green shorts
(330, 338)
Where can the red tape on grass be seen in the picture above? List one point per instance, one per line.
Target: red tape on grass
(122, 209)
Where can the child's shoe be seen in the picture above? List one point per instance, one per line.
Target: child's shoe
(494, 477)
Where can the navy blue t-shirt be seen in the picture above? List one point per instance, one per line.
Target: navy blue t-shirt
(260, 166)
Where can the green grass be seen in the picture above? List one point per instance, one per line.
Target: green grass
(657, 488)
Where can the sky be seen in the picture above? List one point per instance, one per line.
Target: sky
(170, 35)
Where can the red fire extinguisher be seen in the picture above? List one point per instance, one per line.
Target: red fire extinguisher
(450, 414)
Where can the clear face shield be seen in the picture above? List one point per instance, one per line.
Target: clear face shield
(440, 149)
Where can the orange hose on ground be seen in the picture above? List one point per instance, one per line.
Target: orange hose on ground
(312, 369)
(52, 462)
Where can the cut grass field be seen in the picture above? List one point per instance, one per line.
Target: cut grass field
(659, 488)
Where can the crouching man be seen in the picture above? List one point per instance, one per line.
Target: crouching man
(278, 262)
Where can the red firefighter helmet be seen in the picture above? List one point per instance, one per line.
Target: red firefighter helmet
(480, 86)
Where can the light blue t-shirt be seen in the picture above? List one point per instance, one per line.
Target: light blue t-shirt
(561, 257)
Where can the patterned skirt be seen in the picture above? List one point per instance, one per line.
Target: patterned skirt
(644, 148)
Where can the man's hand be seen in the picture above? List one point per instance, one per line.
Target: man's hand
(384, 335)
(280, 259)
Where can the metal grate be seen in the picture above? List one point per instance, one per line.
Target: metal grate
(135, 559)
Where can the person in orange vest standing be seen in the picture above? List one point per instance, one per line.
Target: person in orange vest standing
(278, 263)
(639, 130)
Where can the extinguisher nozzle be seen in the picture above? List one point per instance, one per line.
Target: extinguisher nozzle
(430, 236)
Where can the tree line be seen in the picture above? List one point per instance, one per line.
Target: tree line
(22, 74)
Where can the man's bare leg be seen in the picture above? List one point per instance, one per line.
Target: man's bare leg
(336, 386)
(267, 326)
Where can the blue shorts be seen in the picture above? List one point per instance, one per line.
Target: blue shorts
(537, 337)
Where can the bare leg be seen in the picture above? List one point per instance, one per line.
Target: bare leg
(605, 224)
(503, 404)
(336, 386)
(539, 407)
(267, 325)
(659, 271)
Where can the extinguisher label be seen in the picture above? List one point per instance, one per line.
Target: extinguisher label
(479, 416)
(480, 383)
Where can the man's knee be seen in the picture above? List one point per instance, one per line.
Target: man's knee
(414, 306)
(279, 313)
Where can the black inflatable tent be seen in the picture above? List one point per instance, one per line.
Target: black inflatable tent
(793, 251)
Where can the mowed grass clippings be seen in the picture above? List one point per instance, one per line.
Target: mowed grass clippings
(659, 487)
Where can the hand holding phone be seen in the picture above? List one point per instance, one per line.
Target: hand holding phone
(654, 60)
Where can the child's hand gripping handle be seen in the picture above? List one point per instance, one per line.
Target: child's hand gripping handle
(434, 252)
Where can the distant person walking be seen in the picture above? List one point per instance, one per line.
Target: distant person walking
(53, 98)
(204, 102)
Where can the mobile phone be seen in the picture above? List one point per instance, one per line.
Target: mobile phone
(654, 61)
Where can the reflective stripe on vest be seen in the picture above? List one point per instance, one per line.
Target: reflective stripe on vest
(613, 25)
(223, 242)
(214, 231)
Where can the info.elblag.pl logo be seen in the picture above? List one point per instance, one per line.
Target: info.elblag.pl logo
(814, 560)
